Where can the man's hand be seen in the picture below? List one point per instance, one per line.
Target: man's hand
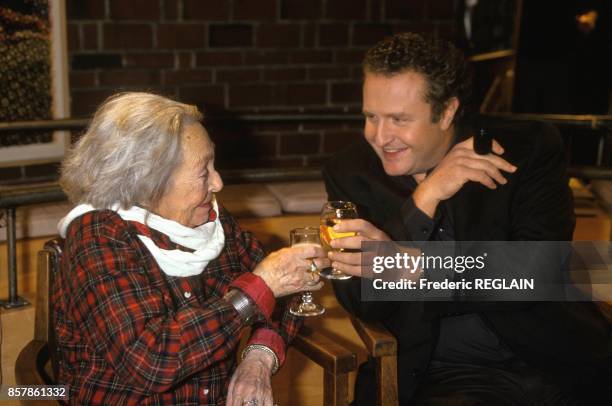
(350, 262)
(458, 167)
(251, 380)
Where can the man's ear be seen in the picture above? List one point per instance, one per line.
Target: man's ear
(449, 113)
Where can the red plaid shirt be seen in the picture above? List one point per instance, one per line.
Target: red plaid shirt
(128, 333)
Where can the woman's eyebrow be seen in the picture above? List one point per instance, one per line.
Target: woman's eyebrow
(207, 156)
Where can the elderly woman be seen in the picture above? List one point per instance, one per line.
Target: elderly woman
(158, 282)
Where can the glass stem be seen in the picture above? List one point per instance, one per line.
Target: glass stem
(307, 297)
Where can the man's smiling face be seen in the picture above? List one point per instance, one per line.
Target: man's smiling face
(398, 123)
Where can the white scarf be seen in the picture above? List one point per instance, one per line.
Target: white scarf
(206, 240)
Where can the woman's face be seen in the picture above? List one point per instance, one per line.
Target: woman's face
(188, 199)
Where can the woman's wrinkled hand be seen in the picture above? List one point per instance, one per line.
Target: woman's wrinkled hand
(251, 381)
(286, 271)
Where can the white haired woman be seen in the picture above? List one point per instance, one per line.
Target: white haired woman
(158, 281)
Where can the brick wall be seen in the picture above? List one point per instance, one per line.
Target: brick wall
(242, 56)
(253, 56)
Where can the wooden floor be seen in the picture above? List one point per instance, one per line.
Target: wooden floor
(17, 331)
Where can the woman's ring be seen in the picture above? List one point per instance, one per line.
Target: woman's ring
(252, 402)
(313, 267)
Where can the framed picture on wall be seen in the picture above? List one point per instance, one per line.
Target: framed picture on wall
(33, 78)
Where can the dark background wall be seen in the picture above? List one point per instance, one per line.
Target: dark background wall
(258, 56)
(239, 56)
(242, 56)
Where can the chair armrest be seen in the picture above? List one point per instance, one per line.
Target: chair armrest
(381, 346)
(30, 369)
(325, 352)
(378, 341)
(336, 361)
(30, 363)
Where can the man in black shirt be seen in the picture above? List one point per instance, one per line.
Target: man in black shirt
(416, 177)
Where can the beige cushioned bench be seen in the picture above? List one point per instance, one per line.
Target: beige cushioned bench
(252, 200)
(299, 197)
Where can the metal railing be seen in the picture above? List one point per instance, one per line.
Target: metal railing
(584, 120)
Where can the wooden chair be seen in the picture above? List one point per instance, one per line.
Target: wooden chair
(382, 346)
(37, 363)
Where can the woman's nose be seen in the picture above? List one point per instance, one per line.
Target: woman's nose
(216, 183)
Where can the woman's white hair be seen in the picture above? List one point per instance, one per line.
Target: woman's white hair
(129, 152)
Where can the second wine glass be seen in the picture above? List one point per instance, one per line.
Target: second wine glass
(307, 307)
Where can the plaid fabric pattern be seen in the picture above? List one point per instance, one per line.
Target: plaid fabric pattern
(130, 334)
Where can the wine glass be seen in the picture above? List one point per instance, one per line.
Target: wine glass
(306, 235)
(333, 212)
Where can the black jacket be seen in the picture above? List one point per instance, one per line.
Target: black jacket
(570, 342)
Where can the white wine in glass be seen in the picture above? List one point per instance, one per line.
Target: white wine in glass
(333, 213)
(306, 235)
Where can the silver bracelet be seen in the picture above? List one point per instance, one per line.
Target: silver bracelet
(264, 349)
(242, 303)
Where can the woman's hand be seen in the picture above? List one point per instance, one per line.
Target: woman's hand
(286, 271)
(251, 380)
